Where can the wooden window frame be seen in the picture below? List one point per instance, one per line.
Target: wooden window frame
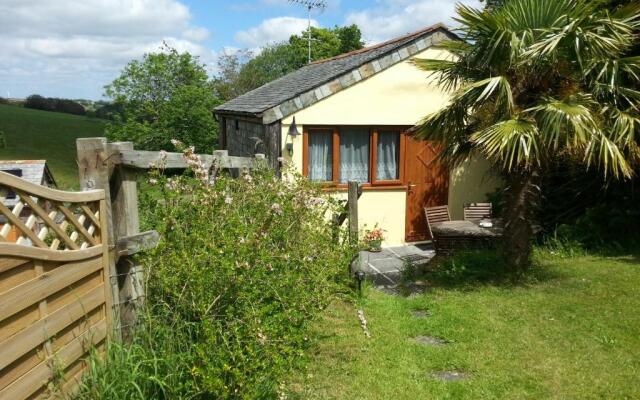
(372, 184)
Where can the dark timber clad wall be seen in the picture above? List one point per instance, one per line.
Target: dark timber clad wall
(246, 138)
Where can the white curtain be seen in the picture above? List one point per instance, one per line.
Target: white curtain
(320, 157)
(388, 156)
(354, 155)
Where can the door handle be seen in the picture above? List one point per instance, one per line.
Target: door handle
(410, 188)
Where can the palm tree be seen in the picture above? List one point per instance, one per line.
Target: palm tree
(532, 80)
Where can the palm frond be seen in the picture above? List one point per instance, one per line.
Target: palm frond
(629, 13)
(610, 80)
(565, 123)
(449, 127)
(512, 143)
(608, 157)
(623, 127)
(495, 89)
(458, 48)
(584, 32)
(447, 72)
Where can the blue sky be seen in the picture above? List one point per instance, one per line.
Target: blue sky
(72, 48)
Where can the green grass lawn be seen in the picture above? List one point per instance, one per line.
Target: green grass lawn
(34, 134)
(574, 334)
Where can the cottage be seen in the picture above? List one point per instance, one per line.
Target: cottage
(355, 112)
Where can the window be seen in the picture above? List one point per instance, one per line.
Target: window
(354, 155)
(370, 156)
(321, 156)
(388, 156)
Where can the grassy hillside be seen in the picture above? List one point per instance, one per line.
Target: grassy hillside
(34, 134)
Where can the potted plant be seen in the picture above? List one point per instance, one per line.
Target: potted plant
(373, 239)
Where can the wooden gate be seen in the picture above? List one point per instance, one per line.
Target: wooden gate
(55, 291)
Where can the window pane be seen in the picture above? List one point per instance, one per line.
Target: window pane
(388, 156)
(354, 155)
(320, 156)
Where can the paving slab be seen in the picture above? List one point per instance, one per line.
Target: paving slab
(430, 341)
(450, 376)
(385, 267)
(420, 313)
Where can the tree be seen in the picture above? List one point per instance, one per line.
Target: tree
(167, 95)
(241, 72)
(532, 80)
(67, 106)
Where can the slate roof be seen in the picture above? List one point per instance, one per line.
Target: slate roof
(320, 79)
(34, 171)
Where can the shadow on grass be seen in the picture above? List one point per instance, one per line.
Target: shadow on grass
(478, 268)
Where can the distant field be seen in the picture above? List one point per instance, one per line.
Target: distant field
(34, 134)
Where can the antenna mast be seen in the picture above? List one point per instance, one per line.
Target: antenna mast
(310, 5)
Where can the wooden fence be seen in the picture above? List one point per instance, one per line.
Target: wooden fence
(114, 167)
(55, 297)
(68, 281)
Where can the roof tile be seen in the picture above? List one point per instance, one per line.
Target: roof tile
(326, 77)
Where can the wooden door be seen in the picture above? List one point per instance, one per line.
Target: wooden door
(427, 186)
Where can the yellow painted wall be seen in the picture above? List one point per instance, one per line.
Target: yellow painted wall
(470, 184)
(385, 208)
(399, 95)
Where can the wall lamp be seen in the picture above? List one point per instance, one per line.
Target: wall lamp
(293, 132)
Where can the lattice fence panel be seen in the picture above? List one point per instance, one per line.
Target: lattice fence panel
(55, 295)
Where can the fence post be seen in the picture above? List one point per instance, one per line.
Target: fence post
(353, 211)
(93, 173)
(126, 222)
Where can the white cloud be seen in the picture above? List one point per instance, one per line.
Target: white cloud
(273, 30)
(74, 47)
(392, 18)
(198, 34)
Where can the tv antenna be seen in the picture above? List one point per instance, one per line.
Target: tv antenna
(311, 5)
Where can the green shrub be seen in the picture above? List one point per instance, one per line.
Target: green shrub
(472, 266)
(607, 226)
(243, 266)
(562, 246)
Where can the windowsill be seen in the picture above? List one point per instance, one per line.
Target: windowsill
(366, 187)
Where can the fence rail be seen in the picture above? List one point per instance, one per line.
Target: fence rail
(147, 159)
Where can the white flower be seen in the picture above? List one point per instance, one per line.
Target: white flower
(228, 199)
(276, 208)
(315, 201)
(153, 181)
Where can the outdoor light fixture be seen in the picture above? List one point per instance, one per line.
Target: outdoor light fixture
(293, 132)
(360, 275)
